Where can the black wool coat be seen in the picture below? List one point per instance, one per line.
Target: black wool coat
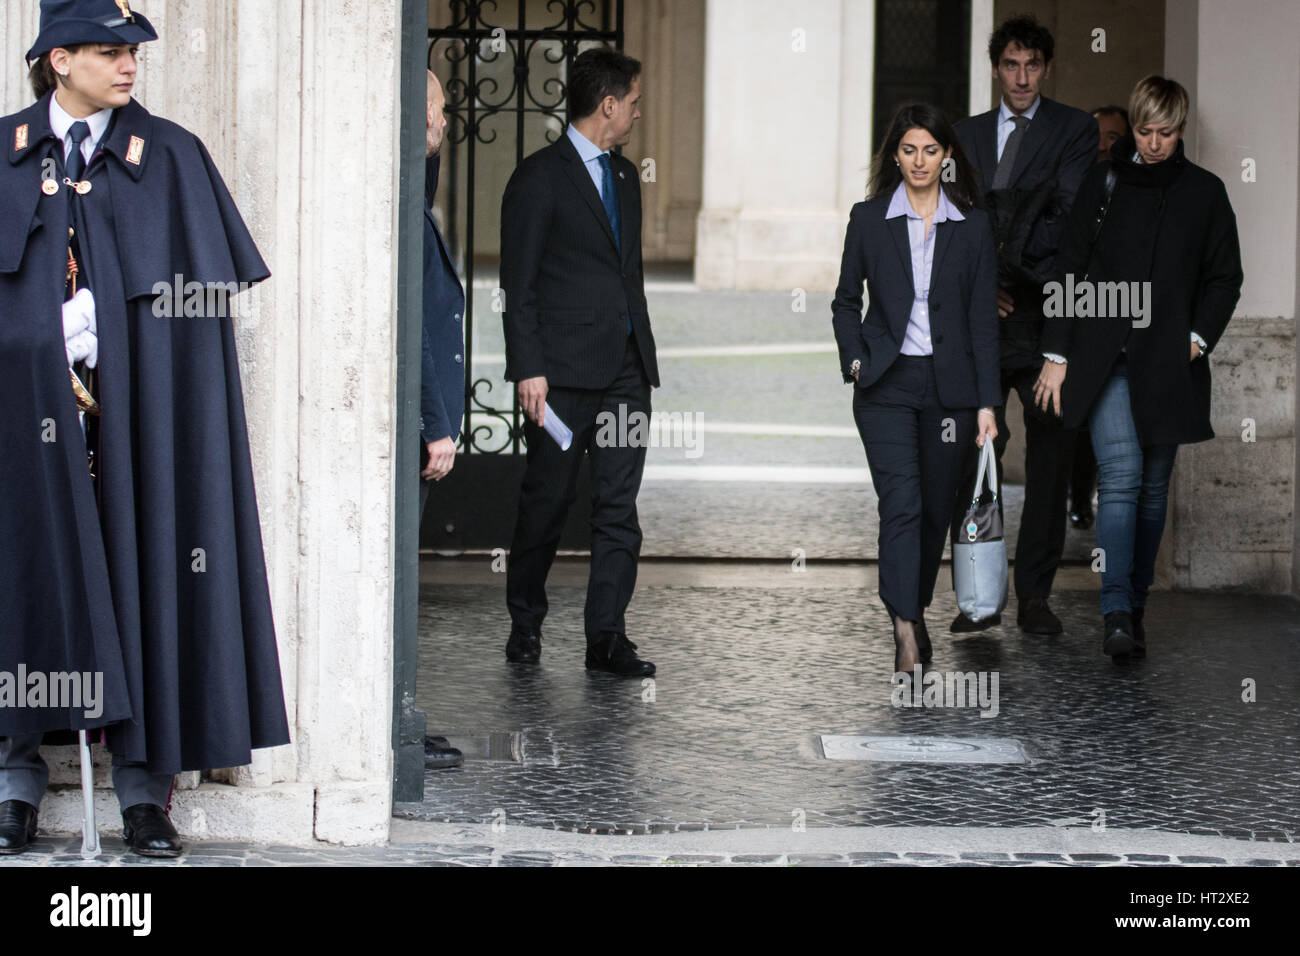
(1169, 224)
(154, 576)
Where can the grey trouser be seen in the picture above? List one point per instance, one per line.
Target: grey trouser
(24, 775)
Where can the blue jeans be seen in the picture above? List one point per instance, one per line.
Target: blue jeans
(1132, 494)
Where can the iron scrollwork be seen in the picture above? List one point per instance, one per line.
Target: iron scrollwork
(492, 77)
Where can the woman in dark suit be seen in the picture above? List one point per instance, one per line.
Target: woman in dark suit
(924, 361)
(1139, 376)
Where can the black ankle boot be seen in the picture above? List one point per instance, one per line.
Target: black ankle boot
(1117, 635)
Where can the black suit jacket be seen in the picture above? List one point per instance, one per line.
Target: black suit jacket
(569, 291)
(962, 302)
(1060, 144)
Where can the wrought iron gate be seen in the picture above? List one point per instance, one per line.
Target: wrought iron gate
(504, 68)
(477, 45)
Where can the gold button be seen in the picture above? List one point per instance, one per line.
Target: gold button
(49, 187)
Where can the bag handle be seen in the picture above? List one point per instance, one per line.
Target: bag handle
(987, 473)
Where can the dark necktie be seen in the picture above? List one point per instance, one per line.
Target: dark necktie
(1002, 178)
(76, 164)
(610, 199)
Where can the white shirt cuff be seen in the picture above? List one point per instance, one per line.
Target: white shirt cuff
(1053, 357)
(1200, 341)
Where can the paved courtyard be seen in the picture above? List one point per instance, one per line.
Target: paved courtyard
(750, 678)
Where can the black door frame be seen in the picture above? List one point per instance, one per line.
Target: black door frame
(408, 720)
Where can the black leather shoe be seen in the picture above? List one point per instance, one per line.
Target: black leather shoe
(524, 647)
(147, 831)
(1139, 633)
(17, 826)
(1035, 617)
(1117, 635)
(1082, 519)
(961, 624)
(614, 653)
(924, 648)
(439, 754)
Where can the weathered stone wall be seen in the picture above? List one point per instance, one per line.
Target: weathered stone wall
(298, 103)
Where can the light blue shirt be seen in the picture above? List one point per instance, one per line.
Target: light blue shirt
(916, 341)
(590, 155)
(1006, 121)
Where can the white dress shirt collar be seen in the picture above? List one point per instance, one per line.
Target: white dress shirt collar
(61, 121)
(901, 205)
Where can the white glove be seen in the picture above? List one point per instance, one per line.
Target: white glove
(80, 333)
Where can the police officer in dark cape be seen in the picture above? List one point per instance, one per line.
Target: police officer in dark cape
(131, 565)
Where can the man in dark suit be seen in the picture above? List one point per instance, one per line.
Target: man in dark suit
(578, 339)
(1029, 147)
(442, 359)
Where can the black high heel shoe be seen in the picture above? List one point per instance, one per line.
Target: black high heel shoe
(900, 649)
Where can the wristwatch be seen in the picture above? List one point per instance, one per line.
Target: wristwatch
(855, 367)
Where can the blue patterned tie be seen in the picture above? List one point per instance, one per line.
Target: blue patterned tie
(610, 199)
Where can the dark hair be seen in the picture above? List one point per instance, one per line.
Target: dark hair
(1024, 31)
(1113, 111)
(42, 75)
(596, 74)
(962, 192)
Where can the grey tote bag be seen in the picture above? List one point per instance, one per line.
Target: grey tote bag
(979, 554)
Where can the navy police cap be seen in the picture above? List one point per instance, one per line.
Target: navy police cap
(72, 22)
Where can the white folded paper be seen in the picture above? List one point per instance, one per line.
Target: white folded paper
(557, 429)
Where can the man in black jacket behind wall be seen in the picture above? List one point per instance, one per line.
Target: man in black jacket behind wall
(578, 338)
(1021, 148)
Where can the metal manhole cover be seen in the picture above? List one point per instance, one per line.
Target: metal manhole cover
(922, 749)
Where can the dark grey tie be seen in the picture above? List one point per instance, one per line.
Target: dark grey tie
(1002, 178)
(78, 133)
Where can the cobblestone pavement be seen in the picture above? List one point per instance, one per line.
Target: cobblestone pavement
(439, 844)
(703, 519)
(750, 677)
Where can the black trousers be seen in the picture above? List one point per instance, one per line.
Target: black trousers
(915, 448)
(1049, 455)
(550, 486)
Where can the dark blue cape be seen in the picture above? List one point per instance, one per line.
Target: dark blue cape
(191, 671)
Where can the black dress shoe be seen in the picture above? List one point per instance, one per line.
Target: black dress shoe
(923, 645)
(441, 756)
(1035, 617)
(1139, 633)
(1117, 635)
(614, 653)
(17, 826)
(1082, 519)
(147, 831)
(961, 624)
(524, 646)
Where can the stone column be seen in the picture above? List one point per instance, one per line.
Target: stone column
(1233, 522)
(787, 140)
(298, 103)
